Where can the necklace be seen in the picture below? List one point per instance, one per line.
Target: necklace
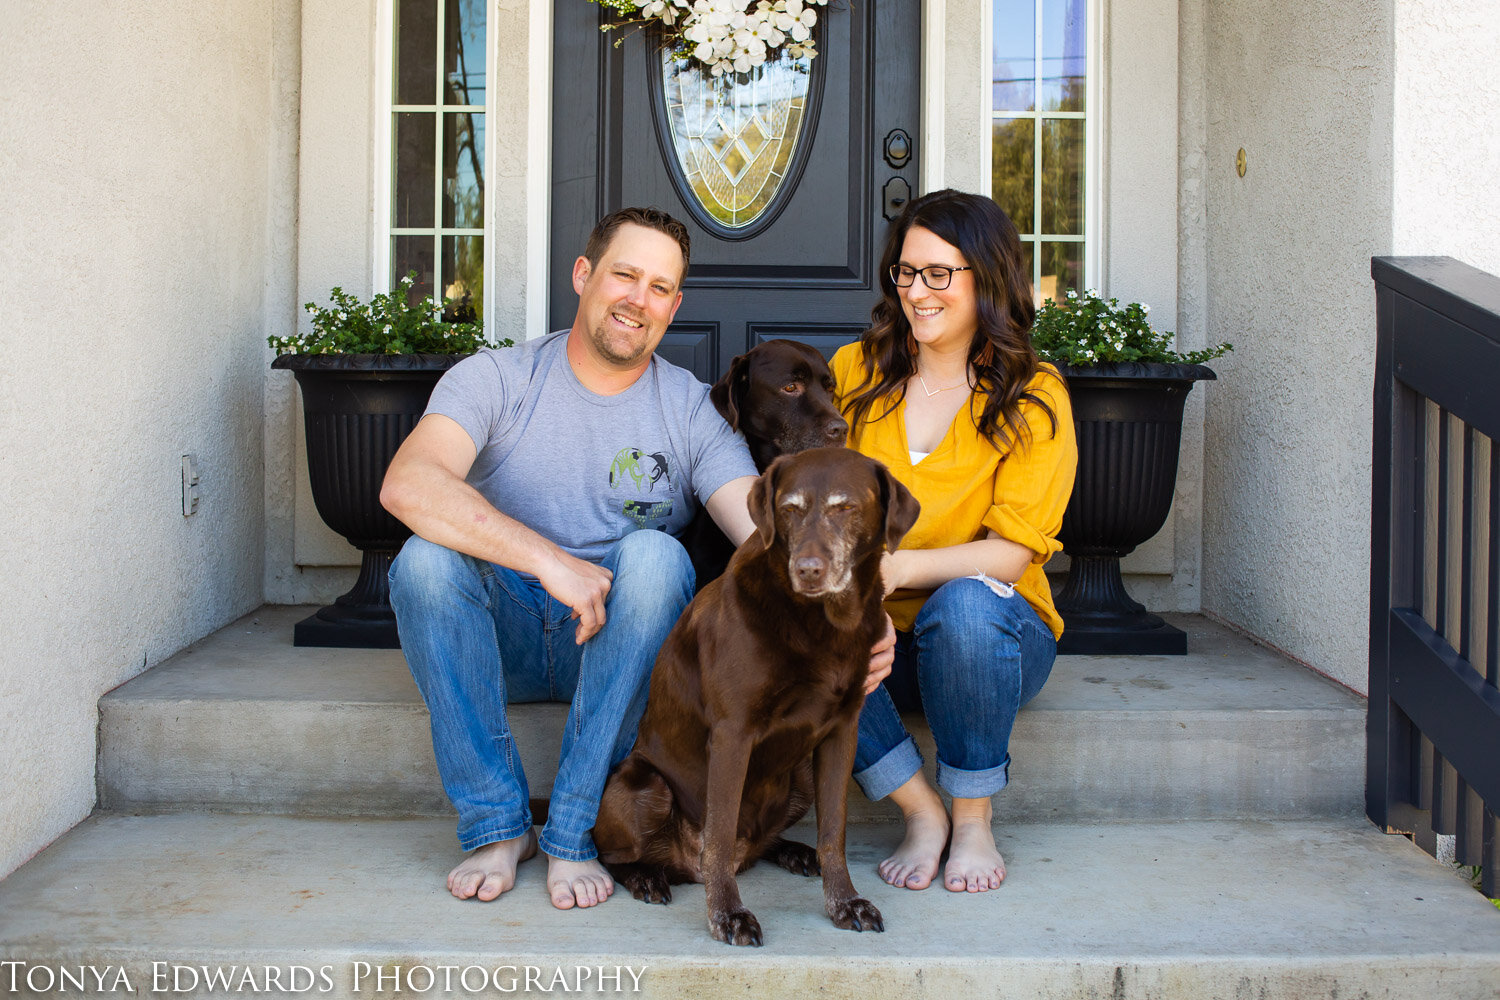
(945, 388)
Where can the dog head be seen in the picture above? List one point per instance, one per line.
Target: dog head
(780, 396)
(830, 509)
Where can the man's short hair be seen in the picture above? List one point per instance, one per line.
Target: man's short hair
(648, 218)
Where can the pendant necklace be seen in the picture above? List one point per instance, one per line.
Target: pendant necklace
(934, 392)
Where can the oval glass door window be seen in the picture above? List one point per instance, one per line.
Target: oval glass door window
(735, 151)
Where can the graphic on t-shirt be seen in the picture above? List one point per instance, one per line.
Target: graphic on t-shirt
(635, 467)
(639, 467)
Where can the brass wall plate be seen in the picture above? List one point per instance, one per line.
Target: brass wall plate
(1239, 162)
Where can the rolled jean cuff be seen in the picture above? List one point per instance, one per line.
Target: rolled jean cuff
(469, 840)
(551, 848)
(891, 771)
(973, 784)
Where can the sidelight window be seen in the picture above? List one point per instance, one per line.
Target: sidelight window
(1040, 104)
(437, 208)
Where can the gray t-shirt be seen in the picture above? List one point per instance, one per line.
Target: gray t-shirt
(583, 469)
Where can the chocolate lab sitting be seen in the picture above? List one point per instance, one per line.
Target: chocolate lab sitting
(755, 699)
(779, 395)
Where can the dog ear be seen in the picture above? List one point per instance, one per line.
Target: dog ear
(729, 392)
(901, 509)
(763, 503)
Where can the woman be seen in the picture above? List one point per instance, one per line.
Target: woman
(945, 389)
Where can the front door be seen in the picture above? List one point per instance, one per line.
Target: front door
(785, 177)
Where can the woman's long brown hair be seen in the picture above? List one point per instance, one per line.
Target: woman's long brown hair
(1001, 355)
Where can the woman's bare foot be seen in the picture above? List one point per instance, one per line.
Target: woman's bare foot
(915, 862)
(974, 863)
(578, 883)
(490, 870)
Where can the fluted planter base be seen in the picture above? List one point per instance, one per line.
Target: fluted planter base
(1103, 619)
(360, 619)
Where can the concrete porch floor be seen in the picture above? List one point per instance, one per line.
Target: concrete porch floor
(1201, 910)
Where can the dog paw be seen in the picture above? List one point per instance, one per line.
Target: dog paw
(856, 914)
(649, 887)
(799, 859)
(735, 927)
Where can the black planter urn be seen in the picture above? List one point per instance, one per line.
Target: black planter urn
(358, 408)
(1128, 417)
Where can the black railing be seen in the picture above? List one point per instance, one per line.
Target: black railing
(1434, 724)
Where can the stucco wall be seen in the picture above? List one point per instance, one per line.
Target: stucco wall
(136, 163)
(1447, 117)
(1305, 88)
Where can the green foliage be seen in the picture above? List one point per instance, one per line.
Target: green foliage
(1090, 330)
(390, 323)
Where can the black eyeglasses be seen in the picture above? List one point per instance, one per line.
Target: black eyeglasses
(935, 276)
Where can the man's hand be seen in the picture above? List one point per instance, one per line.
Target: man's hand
(583, 587)
(882, 657)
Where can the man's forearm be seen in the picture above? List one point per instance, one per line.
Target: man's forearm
(446, 510)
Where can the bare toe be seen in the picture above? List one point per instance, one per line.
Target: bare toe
(974, 863)
(578, 883)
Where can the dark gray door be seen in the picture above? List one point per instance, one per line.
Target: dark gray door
(804, 267)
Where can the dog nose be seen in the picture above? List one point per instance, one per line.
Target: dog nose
(837, 430)
(810, 570)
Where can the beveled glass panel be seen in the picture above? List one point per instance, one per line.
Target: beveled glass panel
(463, 170)
(1012, 159)
(463, 277)
(1062, 269)
(414, 205)
(1028, 256)
(464, 52)
(1064, 53)
(1015, 56)
(734, 136)
(1062, 176)
(413, 253)
(416, 52)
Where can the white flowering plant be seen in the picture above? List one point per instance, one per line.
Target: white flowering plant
(727, 36)
(1088, 329)
(390, 323)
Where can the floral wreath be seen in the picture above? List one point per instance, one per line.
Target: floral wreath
(727, 36)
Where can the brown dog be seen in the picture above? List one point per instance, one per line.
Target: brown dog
(779, 395)
(765, 671)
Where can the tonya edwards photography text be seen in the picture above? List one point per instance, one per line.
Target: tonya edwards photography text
(355, 977)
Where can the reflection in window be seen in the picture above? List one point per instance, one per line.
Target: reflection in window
(734, 135)
(437, 128)
(1038, 100)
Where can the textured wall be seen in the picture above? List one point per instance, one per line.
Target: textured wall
(1447, 117)
(135, 162)
(341, 121)
(1305, 88)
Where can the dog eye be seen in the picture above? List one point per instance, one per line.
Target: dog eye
(792, 388)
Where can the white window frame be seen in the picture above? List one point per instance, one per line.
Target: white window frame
(1093, 117)
(386, 109)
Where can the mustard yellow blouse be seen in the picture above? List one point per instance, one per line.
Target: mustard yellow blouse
(966, 487)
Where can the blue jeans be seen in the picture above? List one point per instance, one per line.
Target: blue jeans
(971, 660)
(478, 636)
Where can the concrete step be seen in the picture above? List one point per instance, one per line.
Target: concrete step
(244, 721)
(1290, 910)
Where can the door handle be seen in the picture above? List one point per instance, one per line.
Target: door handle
(897, 193)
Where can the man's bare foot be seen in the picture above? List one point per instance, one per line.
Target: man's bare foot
(578, 883)
(974, 863)
(490, 870)
(915, 862)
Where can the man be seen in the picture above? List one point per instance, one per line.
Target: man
(531, 484)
